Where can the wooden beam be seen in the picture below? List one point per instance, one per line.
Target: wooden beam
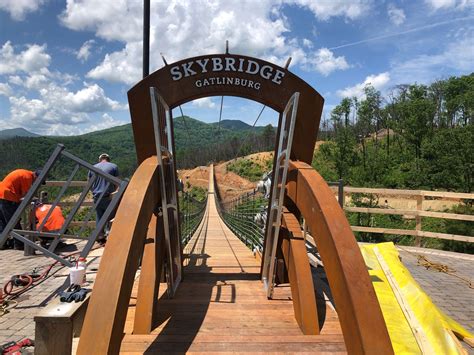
(299, 273)
(402, 212)
(362, 322)
(394, 192)
(149, 282)
(461, 238)
(105, 318)
(61, 183)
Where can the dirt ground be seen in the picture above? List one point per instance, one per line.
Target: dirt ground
(232, 185)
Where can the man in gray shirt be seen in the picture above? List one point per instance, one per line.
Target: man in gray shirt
(101, 185)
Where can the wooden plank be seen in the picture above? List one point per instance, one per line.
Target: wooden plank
(81, 223)
(461, 238)
(299, 273)
(419, 208)
(393, 211)
(149, 285)
(384, 230)
(360, 315)
(61, 183)
(393, 192)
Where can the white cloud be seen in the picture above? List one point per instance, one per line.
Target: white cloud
(5, 89)
(205, 102)
(121, 66)
(32, 59)
(446, 4)
(58, 109)
(106, 121)
(396, 15)
(183, 28)
(90, 99)
(15, 79)
(324, 61)
(378, 81)
(19, 8)
(84, 52)
(323, 10)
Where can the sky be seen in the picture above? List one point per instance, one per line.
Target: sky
(66, 66)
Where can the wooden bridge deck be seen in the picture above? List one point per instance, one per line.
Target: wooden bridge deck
(221, 305)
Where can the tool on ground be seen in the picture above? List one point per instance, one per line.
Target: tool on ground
(14, 348)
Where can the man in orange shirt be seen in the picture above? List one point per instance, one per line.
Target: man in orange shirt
(12, 189)
(55, 221)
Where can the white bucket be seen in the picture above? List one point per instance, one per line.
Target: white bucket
(77, 275)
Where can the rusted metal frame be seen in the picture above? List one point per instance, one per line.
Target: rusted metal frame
(45, 251)
(73, 212)
(48, 234)
(149, 282)
(105, 318)
(283, 150)
(100, 225)
(162, 127)
(359, 312)
(29, 195)
(294, 252)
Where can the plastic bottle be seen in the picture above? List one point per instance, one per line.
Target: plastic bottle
(82, 262)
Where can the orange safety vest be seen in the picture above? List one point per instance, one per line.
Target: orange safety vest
(55, 220)
(16, 184)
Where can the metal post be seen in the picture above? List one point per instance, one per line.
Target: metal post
(340, 192)
(146, 38)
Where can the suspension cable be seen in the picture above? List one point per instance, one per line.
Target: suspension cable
(252, 130)
(184, 122)
(219, 129)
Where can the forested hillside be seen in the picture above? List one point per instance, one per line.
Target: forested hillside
(197, 143)
(417, 137)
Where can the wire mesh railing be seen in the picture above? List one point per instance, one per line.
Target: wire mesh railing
(192, 210)
(246, 216)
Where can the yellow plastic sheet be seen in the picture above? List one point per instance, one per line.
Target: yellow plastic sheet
(414, 323)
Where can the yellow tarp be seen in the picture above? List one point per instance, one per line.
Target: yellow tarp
(414, 323)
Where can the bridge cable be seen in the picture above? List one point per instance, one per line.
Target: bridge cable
(184, 122)
(253, 131)
(219, 128)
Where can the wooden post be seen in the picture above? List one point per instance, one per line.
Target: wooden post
(296, 259)
(149, 284)
(419, 208)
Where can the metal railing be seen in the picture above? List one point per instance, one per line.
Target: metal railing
(246, 216)
(192, 211)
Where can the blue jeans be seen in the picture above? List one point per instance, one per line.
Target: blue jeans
(100, 209)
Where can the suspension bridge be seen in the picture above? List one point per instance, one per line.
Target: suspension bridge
(181, 275)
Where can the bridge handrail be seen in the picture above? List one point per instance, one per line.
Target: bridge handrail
(361, 319)
(190, 220)
(236, 212)
(109, 301)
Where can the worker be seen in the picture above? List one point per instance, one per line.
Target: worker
(55, 221)
(12, 189)
(100, 186)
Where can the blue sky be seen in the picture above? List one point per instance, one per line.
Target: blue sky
(65, 66)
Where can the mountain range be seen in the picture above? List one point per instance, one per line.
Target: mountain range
(195, 142)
